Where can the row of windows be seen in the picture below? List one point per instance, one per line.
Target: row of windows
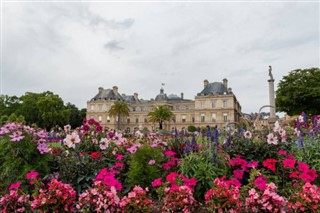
(183, 118)
(214, 104)
(136, 109)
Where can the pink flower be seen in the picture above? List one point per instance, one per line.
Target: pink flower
(272, 139)
(15, 186)
(282, 152)
(119, 157)
(16, 136)
(119, 165)
(238, 173)
(32, 174)
(67, 128)
(289, 163)
(152, 162)
(253, 164)
(303, 166)
(170, 153)
(156, 182)
(261, 182)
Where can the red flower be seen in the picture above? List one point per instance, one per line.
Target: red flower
(294, 175)
(171, 178)
(303, 167)
(270, 164)
(289, 163)
(96, 155)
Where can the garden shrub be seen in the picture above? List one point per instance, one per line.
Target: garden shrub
(202, 167)
(141, 171)
(192, 128)
(18, 158)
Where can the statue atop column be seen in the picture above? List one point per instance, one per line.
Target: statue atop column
(270, 73)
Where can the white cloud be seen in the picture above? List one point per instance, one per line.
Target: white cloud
(74, 48)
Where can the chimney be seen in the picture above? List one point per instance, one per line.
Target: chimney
(182, 95)
(100, 89)
(115, 89)
(225, 83)
(205, 83)
(135, 96)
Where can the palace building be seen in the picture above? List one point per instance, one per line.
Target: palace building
(216, 104)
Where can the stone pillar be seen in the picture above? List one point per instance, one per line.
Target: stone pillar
(272, 99)
(271, 95)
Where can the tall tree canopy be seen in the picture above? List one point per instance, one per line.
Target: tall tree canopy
(299, 92)
(119, 109)
(160, 114)
(44, 109)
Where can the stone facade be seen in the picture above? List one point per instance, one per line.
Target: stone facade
(214, 105)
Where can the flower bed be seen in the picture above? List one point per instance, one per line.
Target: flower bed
(93, 170)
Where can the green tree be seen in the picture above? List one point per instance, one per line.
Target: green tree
(299, 92)
(76, 116)
(160, 114)
(9, 104)
(119, 109)
(44, 109)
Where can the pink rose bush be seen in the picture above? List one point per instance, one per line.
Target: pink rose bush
(177, 192)
(305, 200)
(225, 195)
(137, 200)
(265, 200)
(56, 197)
(99, 198)
(15, 201)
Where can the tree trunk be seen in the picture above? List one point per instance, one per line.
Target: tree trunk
(160, 125)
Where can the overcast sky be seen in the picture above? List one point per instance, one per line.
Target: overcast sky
(72, 48)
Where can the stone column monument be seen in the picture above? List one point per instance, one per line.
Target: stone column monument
(271, 96)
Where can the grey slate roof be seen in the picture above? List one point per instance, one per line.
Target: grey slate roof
(214, 88)
(162, 96)
(107, 94)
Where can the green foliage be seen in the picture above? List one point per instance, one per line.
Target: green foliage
(43, 109)
(119, 109)
(160, 114)
(76, 169)
(253, 149)
(202, 167)
(192, 128)
(299, 92)
(309, 154)
(19, 158)
(140, 172)
(76, 116)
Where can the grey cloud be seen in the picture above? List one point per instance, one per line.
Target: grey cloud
(278, 43)
(96, 20)
(113, 45)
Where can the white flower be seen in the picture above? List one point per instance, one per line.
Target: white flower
(104, 143)
(272, 139)
(71, 140)
(247, 134)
